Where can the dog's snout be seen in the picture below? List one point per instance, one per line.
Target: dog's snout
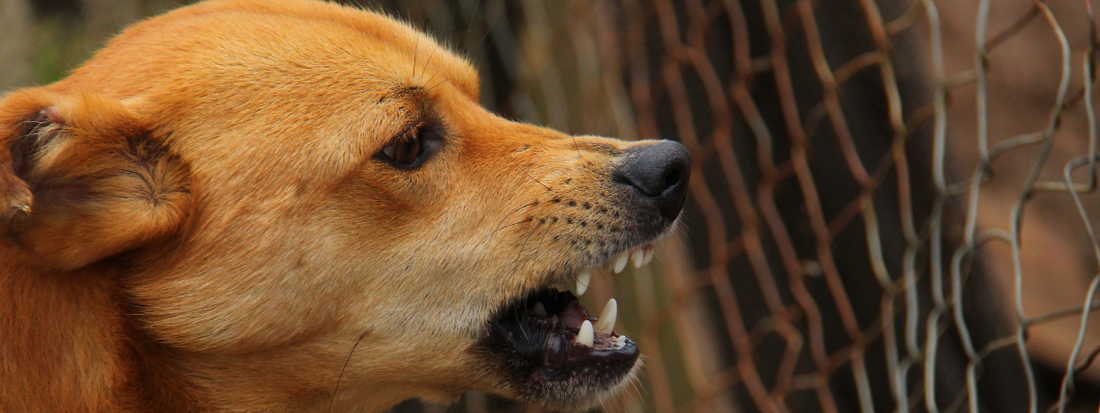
(659, 172)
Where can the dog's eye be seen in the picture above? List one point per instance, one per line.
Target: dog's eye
(405, 150)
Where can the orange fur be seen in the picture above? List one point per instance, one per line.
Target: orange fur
(196, 220)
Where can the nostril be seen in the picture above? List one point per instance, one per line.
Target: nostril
(621, 179)
(658, 172)
(671, 179)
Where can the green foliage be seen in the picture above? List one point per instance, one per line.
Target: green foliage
(60, 46)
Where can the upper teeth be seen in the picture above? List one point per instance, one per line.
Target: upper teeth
(640, 255)
(620, 261)
(583, 278)
(637, 256)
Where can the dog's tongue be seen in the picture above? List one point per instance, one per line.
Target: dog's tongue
(573, 315)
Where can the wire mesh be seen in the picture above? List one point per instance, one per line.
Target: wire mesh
(892, 201)
(855, 237)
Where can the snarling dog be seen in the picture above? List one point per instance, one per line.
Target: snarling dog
(255, 205)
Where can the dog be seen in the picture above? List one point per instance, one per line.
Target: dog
(256, 205)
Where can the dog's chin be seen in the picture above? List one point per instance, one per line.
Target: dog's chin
(545, 348)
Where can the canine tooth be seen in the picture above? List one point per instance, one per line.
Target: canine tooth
(554, 318)
(606, 323)
(586, 336)
(637, 255)
(648, 255)
(620, 261)
(583, 278)
(539, 310)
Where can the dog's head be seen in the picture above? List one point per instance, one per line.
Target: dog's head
(304, 203)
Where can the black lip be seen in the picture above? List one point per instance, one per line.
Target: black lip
(536, 353)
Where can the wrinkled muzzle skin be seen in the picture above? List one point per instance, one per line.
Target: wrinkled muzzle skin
(249, 246)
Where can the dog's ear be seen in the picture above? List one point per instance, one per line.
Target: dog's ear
(82, 178)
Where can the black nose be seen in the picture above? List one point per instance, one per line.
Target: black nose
(659, 172)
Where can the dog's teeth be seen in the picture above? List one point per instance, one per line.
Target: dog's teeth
(586, 336)
(620, 261)
(620, 341)
(583, 278)
(648, 255)
(554, 318)
(606, 323)
(539, 310)
(637, 255)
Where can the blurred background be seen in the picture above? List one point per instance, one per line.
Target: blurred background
(892, 205)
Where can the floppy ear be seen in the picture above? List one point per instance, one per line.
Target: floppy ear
(81, 178)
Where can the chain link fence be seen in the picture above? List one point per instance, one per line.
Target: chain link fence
(892, 202)
(863, 175)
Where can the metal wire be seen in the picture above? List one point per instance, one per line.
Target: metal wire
(663, 58)
(761, 305)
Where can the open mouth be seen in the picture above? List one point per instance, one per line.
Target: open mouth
(554, 349)
(551, 329)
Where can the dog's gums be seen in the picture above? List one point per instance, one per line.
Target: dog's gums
(555, 351)
(292, 205)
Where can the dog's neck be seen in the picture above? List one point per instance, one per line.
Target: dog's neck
(69, 330)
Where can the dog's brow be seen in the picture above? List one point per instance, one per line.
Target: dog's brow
(407, 94)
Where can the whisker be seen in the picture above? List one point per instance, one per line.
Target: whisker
(511, 225)
(431, 79)
(489, 24)
(470, 22)
(518, 256)
(515, 312)
(575, 146)
(437, 84)
(539, 246)
(634, 384)
(569, 125)
(537, 181)
(416, 48)
(428, 62)
(342, 369)
(531, 204)
(522, 247)
(638, 392)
